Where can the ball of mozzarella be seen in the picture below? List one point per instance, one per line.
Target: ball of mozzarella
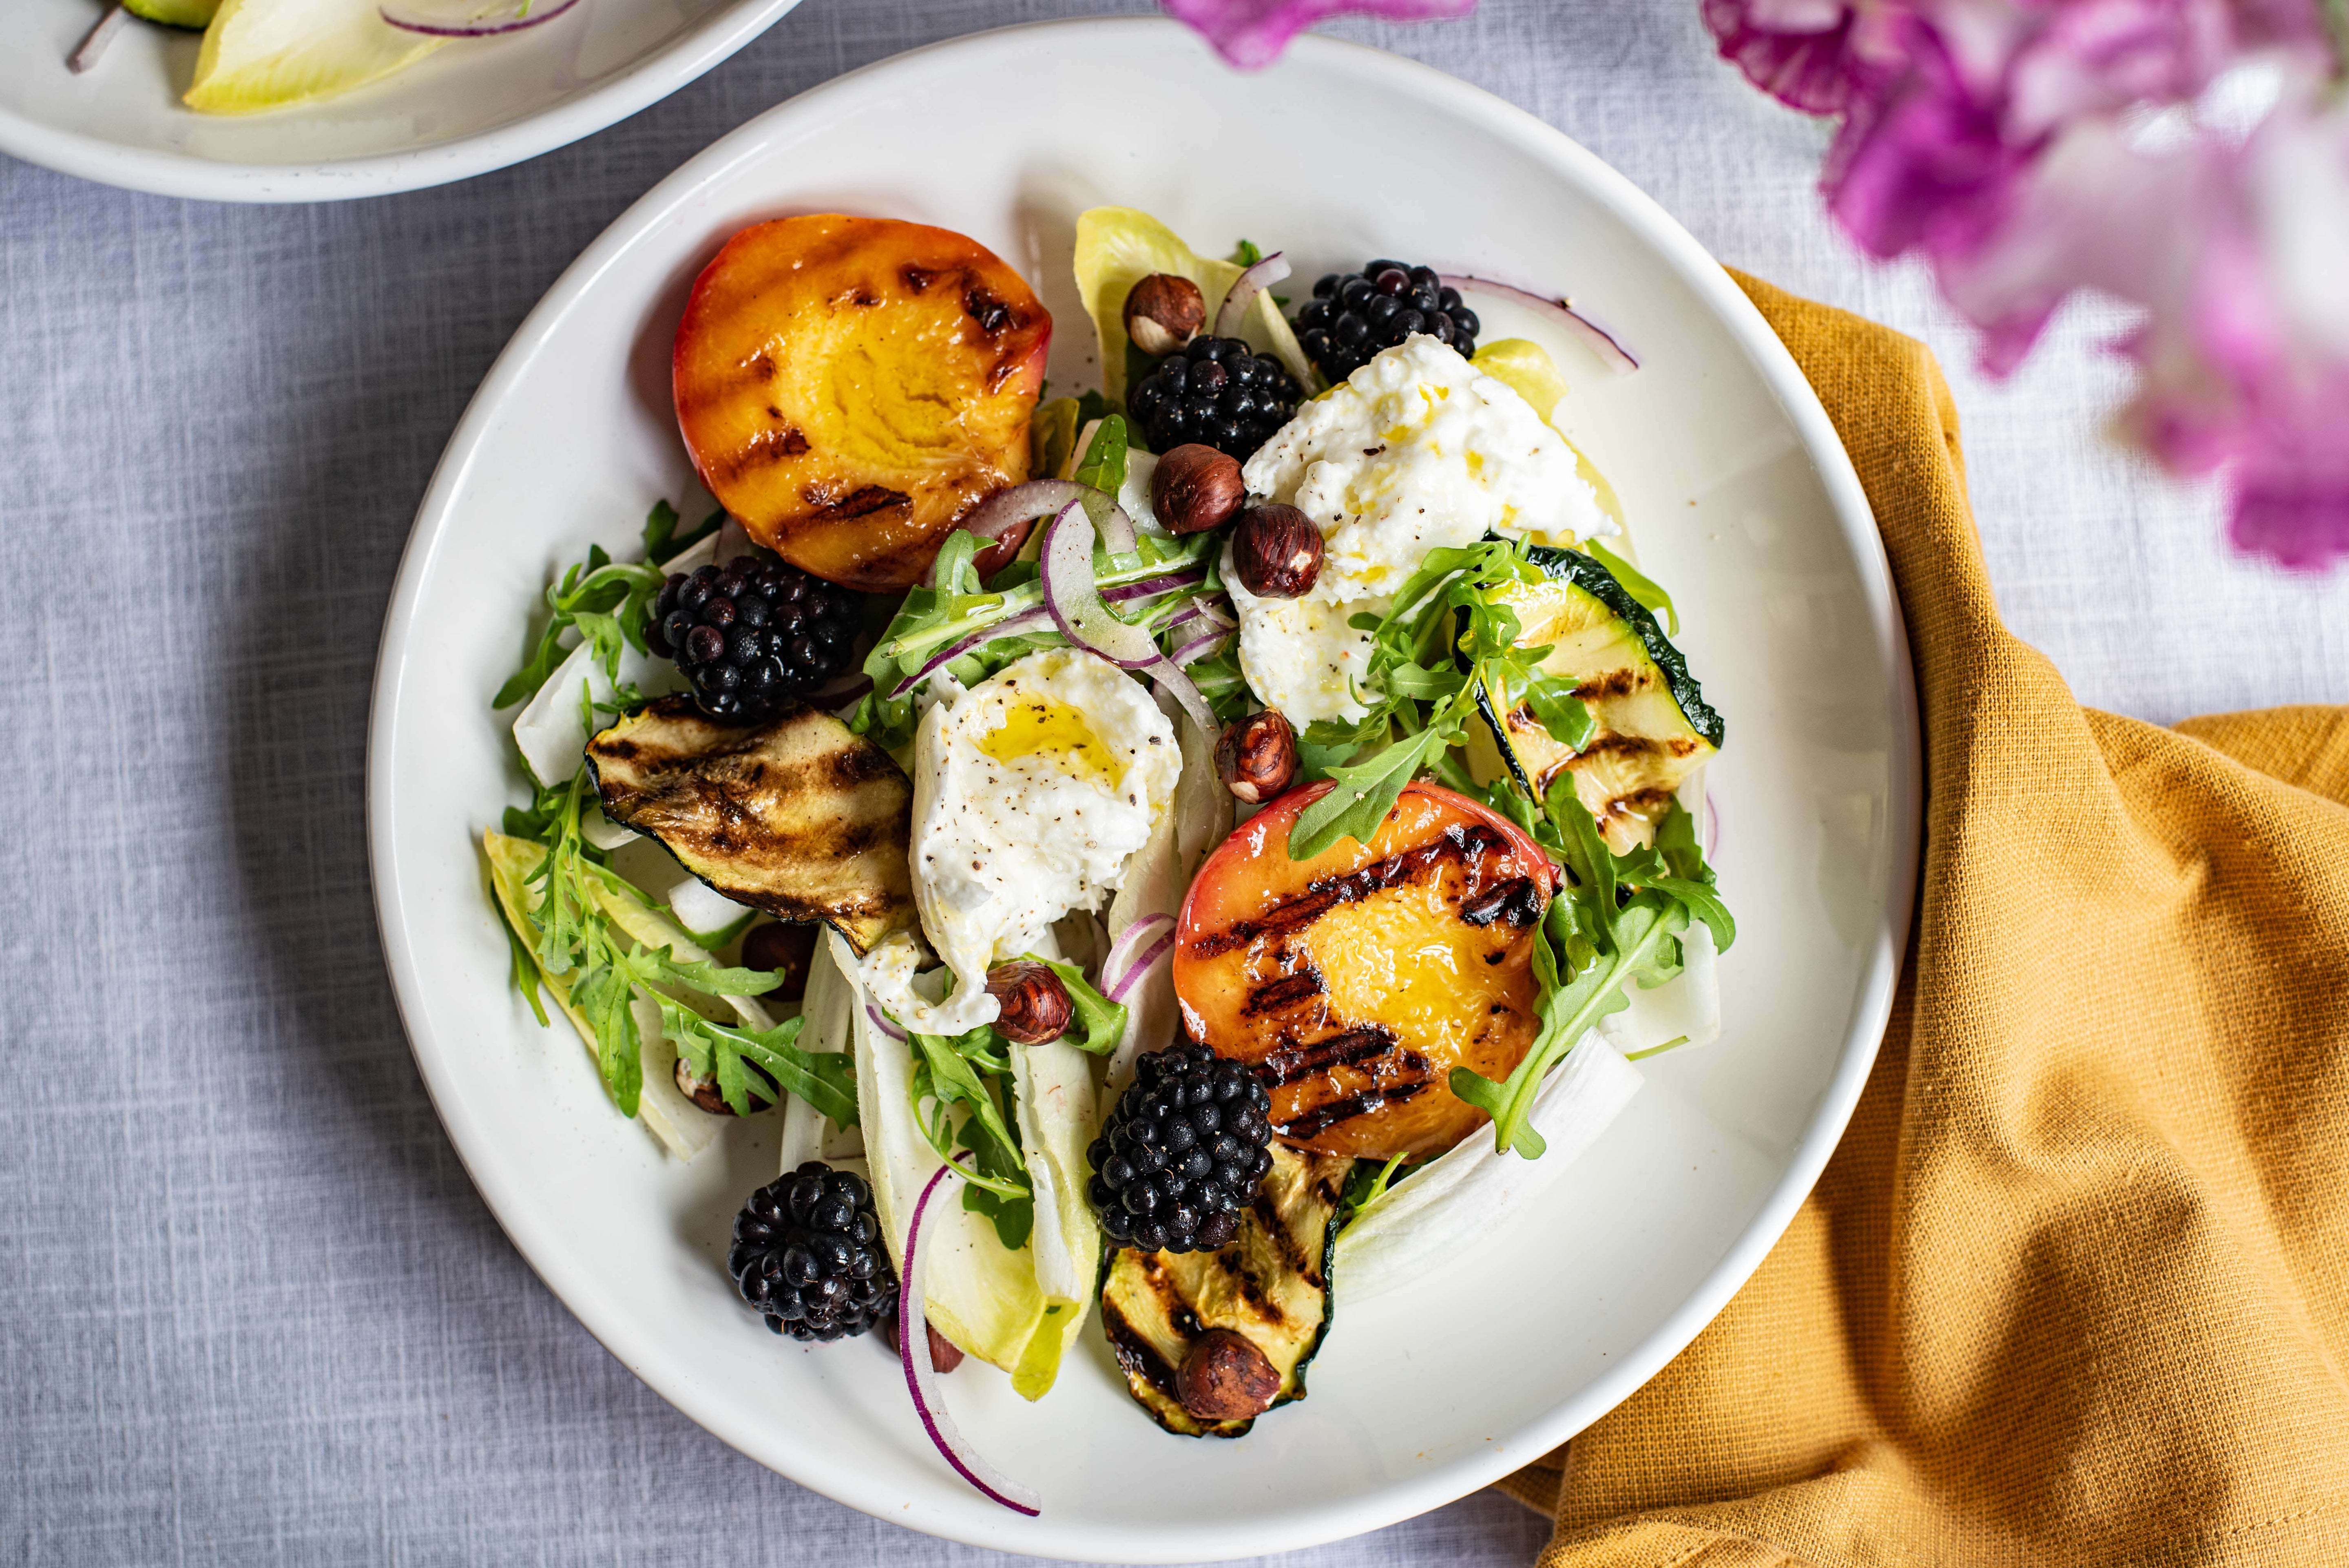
(1031, 791)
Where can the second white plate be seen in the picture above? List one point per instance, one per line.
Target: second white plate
(460, 111)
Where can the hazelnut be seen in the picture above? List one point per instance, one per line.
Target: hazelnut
(1276, 551)
(706, 1094)
(1035, 1005)
(1163, 312)
(786, 948)
(1195, 488)
(1226, 1379)
(944, 1354)
(1257, 757)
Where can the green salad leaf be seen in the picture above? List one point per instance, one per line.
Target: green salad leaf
(1644, 591)
(579, 938)
(1103, 465)
(955, 608)
(825, 1079)
(1446, 639)
(1617, 922)
(608, 603)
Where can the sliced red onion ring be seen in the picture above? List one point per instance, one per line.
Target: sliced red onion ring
(1711, 825)
(1076, 603)
(990, 517)
(1131, 956)
(474, 21)
(1151, 587)
(922, 1373)
(883, 1022)
(1026, 621)
(1190, 613)
(1198, 647)
(1595, 337)
(1172, 680)
(1219, 609)
(1244, 289)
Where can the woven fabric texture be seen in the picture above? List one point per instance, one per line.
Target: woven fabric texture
(253, 1314)
(2074, 1288)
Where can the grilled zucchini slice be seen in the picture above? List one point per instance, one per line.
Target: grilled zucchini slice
(799, 817)
(1655, 728)
(1271, 1285)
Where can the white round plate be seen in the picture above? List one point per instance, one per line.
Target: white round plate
(460, 111)
(1742, 501)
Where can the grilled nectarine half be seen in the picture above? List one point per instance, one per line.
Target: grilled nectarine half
(850, 386)
(1360, 979)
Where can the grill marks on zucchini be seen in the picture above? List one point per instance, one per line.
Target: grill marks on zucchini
(1655, 728)
(798, 817)
(1271, 1285)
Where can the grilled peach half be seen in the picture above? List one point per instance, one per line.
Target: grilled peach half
(849, 387)
(1360, 979)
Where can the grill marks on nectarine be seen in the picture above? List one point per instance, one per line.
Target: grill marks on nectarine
(849, 387)
(1356, 980)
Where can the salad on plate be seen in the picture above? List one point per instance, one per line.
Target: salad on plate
(1181, 856)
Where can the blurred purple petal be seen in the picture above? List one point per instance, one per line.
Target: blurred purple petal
(1251, 33)
(1797, 51)
(2245, 348)
(2025, 149)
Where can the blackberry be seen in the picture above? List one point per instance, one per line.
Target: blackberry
(1217, 393)
(807, 1254)
(1352, 315)
(1182, 1151)
(753, 635)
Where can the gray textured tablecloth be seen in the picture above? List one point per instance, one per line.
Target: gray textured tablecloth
(253, 1312)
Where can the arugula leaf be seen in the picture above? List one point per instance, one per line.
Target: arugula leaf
(1442, 640)
(1103, 1021)
(1363, 793)
(1220, 680)
(955, 568)
(1246, 255)
(608, 603)
(662, 540)
(1676, 841)
(825, 1079)
(1566, 716)
(945, 1075)
(1014, 1218)
(1644, 591)
(1366, 1184)
(1567, 1012)
(576, 938)
(1616, 923)
(933, 618)
(524, 973)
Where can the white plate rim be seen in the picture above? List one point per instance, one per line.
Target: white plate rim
(1312, 1525)
(692, 54)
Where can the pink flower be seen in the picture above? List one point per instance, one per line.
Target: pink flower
(2245, 356)
(1251, 33)
(2007, 144)
(1932, 148)
(1800, 52)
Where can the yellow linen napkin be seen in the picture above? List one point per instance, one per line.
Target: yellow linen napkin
(2074, 1288)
